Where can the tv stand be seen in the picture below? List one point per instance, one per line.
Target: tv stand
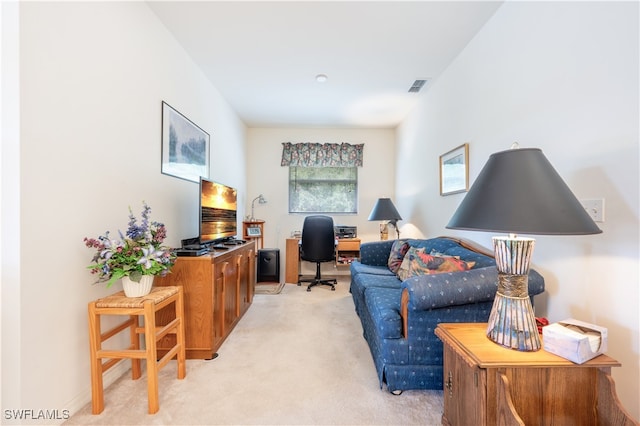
(218, 289)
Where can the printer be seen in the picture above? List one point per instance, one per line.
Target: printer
(344, 231)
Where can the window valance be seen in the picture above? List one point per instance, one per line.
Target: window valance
(321, 155)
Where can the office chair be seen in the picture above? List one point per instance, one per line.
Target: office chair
(318, 245)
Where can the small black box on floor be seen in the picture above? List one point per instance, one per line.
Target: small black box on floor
(269, 265)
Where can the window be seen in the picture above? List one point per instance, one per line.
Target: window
(323, 190)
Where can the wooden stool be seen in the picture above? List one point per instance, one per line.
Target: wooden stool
(146, 306)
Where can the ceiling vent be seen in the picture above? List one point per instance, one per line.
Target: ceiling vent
(416, 86)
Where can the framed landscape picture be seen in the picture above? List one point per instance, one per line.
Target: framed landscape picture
(454, 170)
(185, 146)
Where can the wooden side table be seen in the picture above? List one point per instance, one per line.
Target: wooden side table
(133, 308)
(486, 384)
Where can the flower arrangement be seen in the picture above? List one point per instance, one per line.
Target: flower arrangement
(139, 252)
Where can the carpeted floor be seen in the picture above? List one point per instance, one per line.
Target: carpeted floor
(269, 288)
(296, 358)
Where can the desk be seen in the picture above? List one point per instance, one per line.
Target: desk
(347, 250)
(292, 261)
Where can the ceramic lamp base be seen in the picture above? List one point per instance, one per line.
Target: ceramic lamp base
(512, 323)
(384, 231)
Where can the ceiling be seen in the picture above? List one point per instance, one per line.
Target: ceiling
(264, 56)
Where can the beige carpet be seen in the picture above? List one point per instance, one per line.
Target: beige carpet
(298, 358)
(269, 288)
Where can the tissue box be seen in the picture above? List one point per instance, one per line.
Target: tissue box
(575, 340)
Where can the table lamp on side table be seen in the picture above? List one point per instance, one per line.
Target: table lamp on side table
(386, 211)
(261, 200)
(519, 191)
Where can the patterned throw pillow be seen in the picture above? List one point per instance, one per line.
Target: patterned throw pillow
(404, 269)
(420, 263)
(398, 250)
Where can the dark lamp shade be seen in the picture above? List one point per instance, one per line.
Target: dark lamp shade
(384, 210)
(519, 191)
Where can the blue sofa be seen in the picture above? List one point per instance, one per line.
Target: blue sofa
(399, 317)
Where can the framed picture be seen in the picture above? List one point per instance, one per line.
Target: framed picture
(185, 146)
(253, 231)
(454, 170)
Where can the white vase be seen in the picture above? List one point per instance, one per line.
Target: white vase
(134, 289)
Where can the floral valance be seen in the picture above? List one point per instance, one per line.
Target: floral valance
(321, 155)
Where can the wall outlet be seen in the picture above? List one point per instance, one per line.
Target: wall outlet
(595, 208)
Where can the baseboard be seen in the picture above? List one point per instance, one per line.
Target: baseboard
(84, 398)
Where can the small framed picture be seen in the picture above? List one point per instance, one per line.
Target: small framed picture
(253, 231)
(454, 170)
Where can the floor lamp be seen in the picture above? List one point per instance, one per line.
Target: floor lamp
(519, 191)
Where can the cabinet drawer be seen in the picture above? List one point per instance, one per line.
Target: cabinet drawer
(348, 245)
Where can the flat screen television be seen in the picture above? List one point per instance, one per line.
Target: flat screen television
(218, 212)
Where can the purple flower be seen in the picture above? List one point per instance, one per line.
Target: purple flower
(149, 255)
(139, 251)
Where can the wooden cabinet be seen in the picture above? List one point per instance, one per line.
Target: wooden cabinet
(218, 290)
(347, 251)
(253, 230)
(292, 261)
(486, 384)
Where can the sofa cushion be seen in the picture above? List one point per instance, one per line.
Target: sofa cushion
(417, 262)
(396, 256)
(360, 268)
(375, 252)
(383, 305)
(361, 282)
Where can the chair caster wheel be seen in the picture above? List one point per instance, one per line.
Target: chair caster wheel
(333, 289)
(308, 289)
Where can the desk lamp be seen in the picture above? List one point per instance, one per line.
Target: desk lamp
(519, 191)
(260, 199)
(385, 210)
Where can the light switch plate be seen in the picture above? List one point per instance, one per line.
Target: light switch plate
(595, 208)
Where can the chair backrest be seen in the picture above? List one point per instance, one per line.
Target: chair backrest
(318, 239)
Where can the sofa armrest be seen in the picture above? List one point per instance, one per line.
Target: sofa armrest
(450, 289)
(426, 292)
(375, 253)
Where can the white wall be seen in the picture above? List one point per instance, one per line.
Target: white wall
(267, 177)
(92, 78)
(559, 76)
(562, 77)
(9, 197)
